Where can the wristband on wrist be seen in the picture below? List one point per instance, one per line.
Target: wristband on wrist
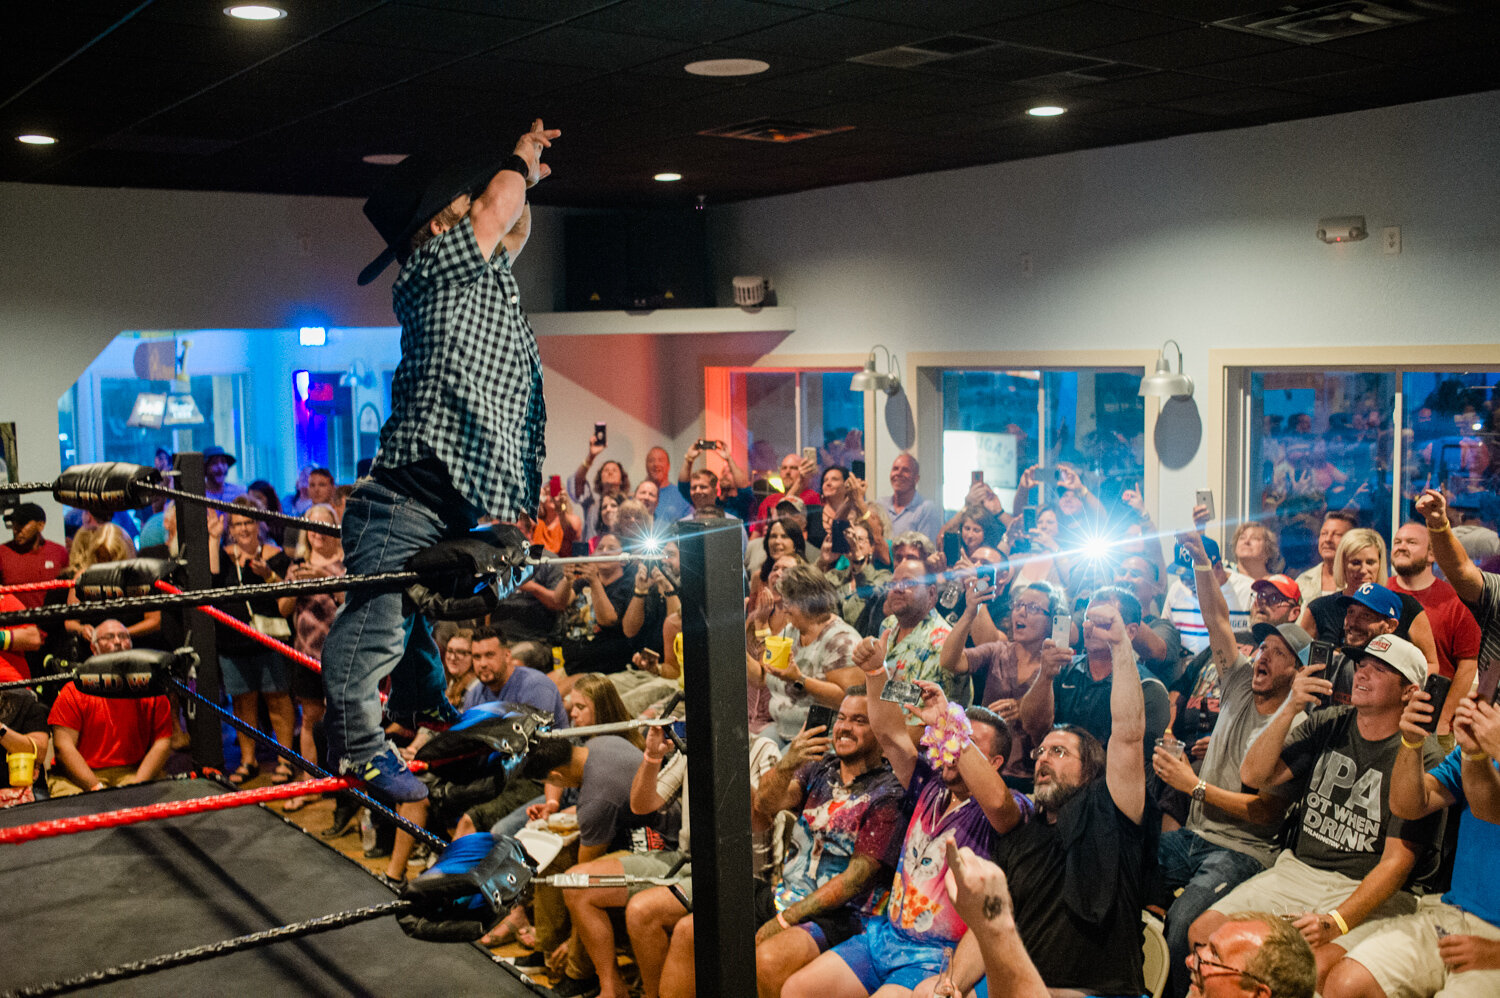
(781, 920)
(1439, 530)
(1339, 921)
(640, 594)
(4, 640)
(1411, 745)
(518, 163)
(1475, 756)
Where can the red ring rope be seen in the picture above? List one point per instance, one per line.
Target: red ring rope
(168, 809)
(33, 587)
(250, 632)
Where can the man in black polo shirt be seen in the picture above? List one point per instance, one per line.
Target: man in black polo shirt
(1079, 694)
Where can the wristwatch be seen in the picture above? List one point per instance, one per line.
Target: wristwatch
(1200, 791)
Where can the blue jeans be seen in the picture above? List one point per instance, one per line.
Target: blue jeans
(1205, 872)
(372, 637)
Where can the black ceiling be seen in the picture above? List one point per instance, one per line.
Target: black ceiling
(174, 94)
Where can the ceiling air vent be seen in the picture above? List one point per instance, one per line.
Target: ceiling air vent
(1310, 23)
(774, 130)
(1079, 77)
(930, 50)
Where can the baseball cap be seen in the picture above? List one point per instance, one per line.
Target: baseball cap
(793, 501)
(1182, 562)
(26, 513)
(1377, 598)
(1398, 653)
(1280, 584)
(1292, 633)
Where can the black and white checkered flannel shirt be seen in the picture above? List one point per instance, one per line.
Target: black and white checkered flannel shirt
(468, 389)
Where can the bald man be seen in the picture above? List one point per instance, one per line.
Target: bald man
(107, 743)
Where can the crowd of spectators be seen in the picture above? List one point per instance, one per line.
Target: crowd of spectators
(982, 749)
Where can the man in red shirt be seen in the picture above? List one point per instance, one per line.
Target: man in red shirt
(15, 642)
(28, 556)
(1453, 626)
(107, 743)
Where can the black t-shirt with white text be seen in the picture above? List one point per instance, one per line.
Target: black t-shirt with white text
(1345, 789)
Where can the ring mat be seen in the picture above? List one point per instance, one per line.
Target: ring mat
(92, 900)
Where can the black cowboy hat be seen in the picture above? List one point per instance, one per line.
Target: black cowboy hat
(419, 187)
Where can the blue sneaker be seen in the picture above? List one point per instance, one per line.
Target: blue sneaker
(438, 717)
(387, 779)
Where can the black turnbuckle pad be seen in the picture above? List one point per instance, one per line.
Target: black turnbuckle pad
(459, 575)
(105, 488)
(126, 675)
(468, 890)
(132, 577)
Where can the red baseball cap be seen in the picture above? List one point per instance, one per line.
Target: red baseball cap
(1281, 584)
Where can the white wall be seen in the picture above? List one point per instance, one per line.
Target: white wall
(1207, 239)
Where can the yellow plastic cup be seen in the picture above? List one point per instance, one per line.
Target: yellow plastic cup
(778, 654)
(22, 768)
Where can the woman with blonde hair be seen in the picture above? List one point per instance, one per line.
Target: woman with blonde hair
(1347, 616)
(97, 546)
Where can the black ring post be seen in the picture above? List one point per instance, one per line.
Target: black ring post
(193, 541)
(713, 647)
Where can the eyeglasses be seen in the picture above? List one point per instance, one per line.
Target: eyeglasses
(1221, 969)
(1056, 751)
(1032, 609)
(1272, 599)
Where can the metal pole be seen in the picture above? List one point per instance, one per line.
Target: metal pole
(193, 542)
(713, 620)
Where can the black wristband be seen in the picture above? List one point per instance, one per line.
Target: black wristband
(519, 164)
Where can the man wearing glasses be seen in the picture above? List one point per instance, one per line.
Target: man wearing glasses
(1081, 694)
(1252, 954)
(1077, 871)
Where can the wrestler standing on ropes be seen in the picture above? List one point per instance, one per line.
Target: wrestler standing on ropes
(464, 438)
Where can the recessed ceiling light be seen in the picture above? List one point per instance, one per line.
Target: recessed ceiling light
(667, 177)
(384, 158)
(1047, 111)
(36, 139)
(727, 67)
(255, 12)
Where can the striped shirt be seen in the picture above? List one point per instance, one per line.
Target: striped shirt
(1183, 611)
(468, 390)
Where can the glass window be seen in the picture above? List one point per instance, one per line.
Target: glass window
(785, 411)
(1450, 440)
(1320, 440)
(1003, 422)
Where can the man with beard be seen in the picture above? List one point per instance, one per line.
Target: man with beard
(837, 871)
(1453, 626)
(1078, 871)
(912, 634)
(957, 796)
(1195, 697)
(1229, 836)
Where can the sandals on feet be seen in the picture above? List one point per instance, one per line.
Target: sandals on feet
(282, 775)
(244, 773)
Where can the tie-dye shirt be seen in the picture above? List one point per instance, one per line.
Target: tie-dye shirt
(919, 906)
(836, 822)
